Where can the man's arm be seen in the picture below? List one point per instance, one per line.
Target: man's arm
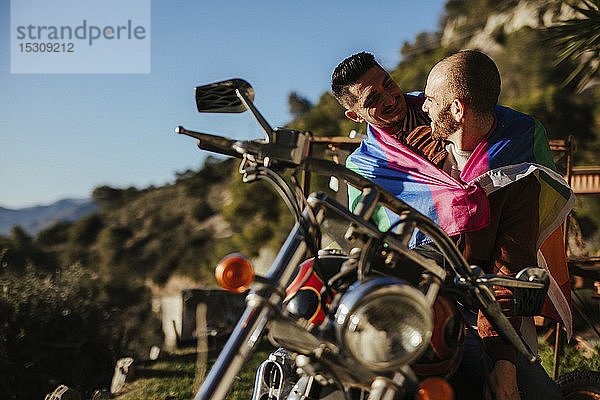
(505, 247)
(511, 242)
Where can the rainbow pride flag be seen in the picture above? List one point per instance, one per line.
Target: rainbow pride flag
(516, 147)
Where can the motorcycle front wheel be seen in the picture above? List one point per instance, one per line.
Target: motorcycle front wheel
(580, 385)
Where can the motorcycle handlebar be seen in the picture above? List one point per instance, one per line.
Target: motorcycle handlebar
(289, 148)
(212, 143)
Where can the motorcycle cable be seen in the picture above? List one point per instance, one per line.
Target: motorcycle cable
(292, 196)
(291, 201)
(286, 192)
(404, 217)
(300, 195)
(364, 263)
(318, 237)
(317, 244)
(281, 186)
(340, 275)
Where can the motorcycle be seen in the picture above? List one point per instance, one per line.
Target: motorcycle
(370, 318)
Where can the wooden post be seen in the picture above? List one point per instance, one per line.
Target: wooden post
(569, 147)
(557, 350)
(201, 345)
(123, 372)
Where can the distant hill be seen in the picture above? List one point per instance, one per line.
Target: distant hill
(34, 219)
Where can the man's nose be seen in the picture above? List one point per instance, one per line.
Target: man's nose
(424, 107)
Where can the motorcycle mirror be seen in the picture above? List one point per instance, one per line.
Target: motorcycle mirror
(221, 97)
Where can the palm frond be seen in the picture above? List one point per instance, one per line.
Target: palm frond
(578, 40)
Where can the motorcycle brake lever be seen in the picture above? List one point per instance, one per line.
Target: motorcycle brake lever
(505, 281)
(510, 282)
(490, 307)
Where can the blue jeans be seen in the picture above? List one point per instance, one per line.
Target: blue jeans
(468, 381)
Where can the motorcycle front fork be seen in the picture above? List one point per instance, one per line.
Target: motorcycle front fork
(259, 307)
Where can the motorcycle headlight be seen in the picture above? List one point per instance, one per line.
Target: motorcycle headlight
(384, 323)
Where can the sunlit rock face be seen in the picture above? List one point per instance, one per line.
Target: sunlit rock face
(458, 32)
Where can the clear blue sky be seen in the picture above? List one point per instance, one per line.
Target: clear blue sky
(61, 135)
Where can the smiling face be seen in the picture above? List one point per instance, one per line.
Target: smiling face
(438, 107)
(379, 101)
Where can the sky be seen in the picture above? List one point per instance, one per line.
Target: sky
(63, 134)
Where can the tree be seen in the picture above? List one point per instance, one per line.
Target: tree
(578, 40)
(298, 105)
(19, 251)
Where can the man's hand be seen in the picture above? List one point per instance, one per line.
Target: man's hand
(503, 382)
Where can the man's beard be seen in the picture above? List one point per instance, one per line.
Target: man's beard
(445, 125)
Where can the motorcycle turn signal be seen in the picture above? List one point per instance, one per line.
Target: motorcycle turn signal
(435, 389)
(234, 273)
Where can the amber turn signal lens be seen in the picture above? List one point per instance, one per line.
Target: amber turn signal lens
(435, 389)
(234, 273)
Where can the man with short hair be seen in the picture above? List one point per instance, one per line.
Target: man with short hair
(490, 195)
(369, 94)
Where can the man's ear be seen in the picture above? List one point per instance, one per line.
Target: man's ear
(354, 116)
(457, 108)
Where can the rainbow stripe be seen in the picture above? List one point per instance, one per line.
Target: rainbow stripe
(451, 204)
(517, 147)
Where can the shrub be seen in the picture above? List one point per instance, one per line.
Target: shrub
(55, 234)
(202, 211)
(65, 327)
(85, 231)
(52, 332)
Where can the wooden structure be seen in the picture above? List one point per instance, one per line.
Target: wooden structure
(586, 180)
(222, 310)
